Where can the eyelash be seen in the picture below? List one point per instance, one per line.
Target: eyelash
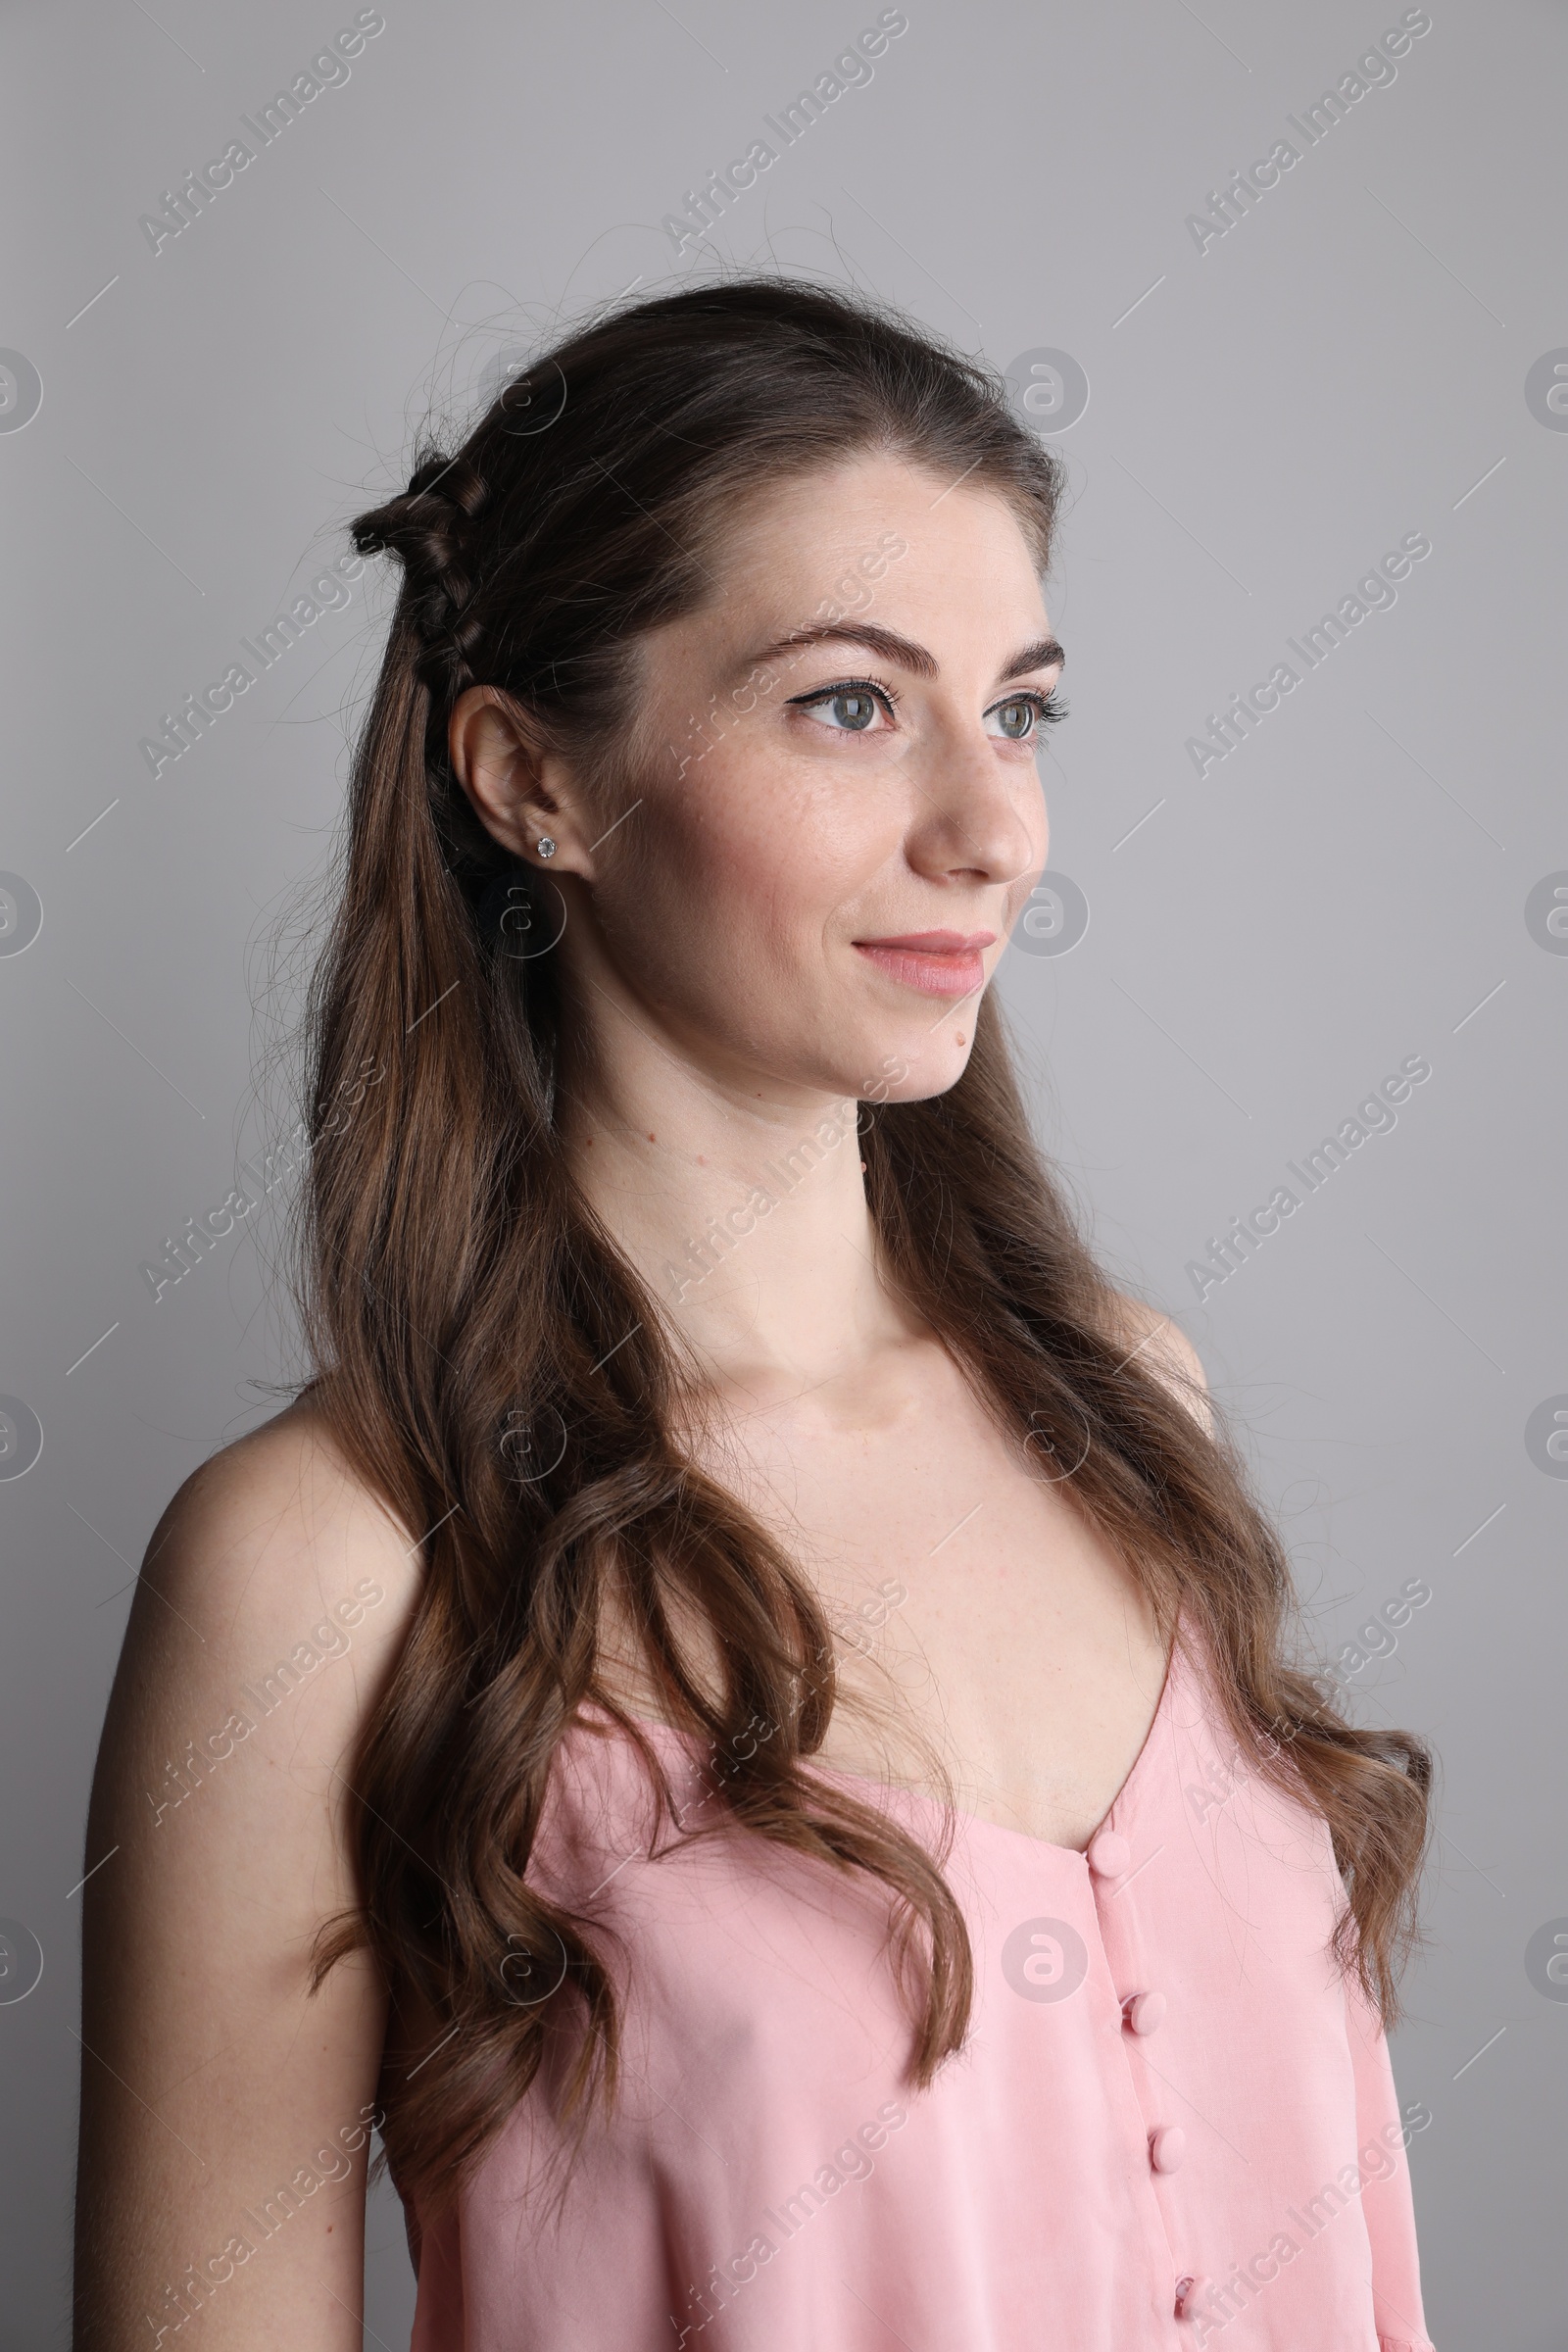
(1048, 709)
(825, 694)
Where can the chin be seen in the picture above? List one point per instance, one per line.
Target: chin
(913, 1076)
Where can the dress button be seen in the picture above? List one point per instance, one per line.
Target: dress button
(1145, 2012)
(1190, 2292)
(1166, 2147)
(1109, 1854)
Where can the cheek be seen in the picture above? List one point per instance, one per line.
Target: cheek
(747, 864)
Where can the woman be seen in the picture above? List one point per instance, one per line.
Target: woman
(742, 1715)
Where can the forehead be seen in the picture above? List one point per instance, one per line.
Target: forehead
(877, 530)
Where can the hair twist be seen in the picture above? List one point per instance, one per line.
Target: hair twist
(431, 529)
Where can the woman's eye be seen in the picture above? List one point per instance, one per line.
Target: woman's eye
(1016, 720)
(1023, 716)
(850, 708)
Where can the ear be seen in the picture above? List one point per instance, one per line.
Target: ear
(522, 792)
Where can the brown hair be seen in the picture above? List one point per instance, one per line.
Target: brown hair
(463, 1304)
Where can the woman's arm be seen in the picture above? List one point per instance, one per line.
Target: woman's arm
(225, 2113)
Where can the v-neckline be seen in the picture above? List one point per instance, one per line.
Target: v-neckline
(882, 1789)
(983, 1821)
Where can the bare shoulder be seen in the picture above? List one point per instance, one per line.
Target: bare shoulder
(275, 1599)
(1169, 1353)
(275, 1528)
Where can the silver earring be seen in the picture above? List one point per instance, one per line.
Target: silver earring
(545, 846)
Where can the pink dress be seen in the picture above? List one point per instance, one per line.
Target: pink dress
(1173, 2124)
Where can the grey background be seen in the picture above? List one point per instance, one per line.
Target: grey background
(1266, 417)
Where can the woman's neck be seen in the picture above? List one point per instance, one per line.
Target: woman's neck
(743, 1209)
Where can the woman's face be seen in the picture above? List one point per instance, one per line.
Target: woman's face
(840, 807)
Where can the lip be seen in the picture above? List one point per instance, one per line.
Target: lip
(939, 963)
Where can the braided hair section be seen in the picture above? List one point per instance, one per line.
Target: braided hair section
(433, 529)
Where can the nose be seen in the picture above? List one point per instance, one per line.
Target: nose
(977, 815)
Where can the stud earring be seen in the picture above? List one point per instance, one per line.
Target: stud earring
(545, 846)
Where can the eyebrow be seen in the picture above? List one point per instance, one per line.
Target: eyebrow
(1043, 653)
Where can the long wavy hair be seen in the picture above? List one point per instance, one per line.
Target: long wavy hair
(466, 1312)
